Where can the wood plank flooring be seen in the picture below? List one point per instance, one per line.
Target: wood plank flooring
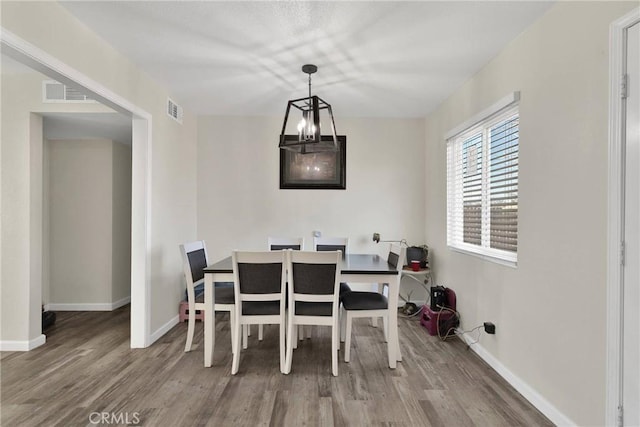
(87, 371)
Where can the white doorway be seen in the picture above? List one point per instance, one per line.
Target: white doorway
(631, 268)
(32, 56)
(86, 207)
(623, 342)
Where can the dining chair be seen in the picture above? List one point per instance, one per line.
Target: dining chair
(332, 244)
(281, 243)
(194, 260)
(273, 244)
(313, 279)
(371, 304)
(260, 295)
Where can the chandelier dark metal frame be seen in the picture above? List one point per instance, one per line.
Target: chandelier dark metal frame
(309, 138)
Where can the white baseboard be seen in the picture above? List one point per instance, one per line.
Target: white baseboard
(535, 398)
(164, 329)
(121, 303)
(106, 306)
(22, 345)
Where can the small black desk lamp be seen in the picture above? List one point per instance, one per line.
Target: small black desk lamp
(376, 238)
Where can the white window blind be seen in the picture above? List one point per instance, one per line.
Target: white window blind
(482, 187)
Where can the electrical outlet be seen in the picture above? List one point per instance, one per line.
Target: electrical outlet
(489, 328)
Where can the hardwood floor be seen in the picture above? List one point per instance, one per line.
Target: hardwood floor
(86, 374)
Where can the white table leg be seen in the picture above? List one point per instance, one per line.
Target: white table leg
(209, 320)
(393, 342)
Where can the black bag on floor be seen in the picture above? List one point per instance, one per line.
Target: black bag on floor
(48, 319)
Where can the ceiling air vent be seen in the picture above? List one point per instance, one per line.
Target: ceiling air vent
(174, 111)
(53, 91)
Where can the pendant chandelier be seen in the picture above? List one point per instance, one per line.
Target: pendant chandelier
(307, 113)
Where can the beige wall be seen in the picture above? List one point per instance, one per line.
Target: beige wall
(51, 28)
(80, 221)
(21, 282)
(35, 219)
(240, 204)
(550, 310)
(90, 221)
(121, 222)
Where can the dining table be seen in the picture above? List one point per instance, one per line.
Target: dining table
(354, 268)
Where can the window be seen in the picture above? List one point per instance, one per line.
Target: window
(482, 186)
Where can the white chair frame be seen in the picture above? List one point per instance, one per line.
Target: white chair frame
(186, 249)
(294, 320)
(347, 316)
(242, 319)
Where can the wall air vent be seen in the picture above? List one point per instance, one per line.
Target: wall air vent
(174, 111)
(53, 91)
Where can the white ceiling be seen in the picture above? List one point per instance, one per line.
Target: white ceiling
(376, 59)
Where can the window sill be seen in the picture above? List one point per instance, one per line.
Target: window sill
(486, 257)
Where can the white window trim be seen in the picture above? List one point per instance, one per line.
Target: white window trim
(505, 258)
(485, 114)
(487, 117)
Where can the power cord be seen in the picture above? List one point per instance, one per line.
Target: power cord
(477, 328)
(450, 325)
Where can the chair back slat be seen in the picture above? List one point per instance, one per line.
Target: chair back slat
(330, 244)
(259, 278)
(396, 256)
(194, 260)
(393, 259)
(282, 247)
(197, 264)
(331, 248)
(282, 243)
(313, 278)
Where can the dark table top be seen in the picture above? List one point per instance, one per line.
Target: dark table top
(351, 264)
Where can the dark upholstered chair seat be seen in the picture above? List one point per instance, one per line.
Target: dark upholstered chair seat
(313, 308)
(260, 308)
(344, 288)
(199, 290)
(224, 295)
(364, 301)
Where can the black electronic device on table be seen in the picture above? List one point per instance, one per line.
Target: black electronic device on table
(438, 297)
